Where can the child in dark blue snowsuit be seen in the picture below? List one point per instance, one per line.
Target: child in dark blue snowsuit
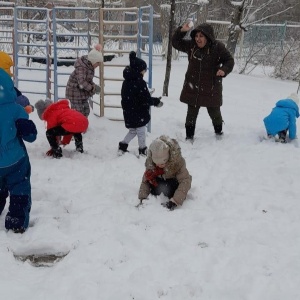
(282, 119)
(15, 168)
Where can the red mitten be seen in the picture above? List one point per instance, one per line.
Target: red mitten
(49, 152)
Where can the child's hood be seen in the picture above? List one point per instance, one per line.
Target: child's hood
(83, 62)
(58, 106)
(175, 161)
(131, 74)
(287, 103)
(7, 90)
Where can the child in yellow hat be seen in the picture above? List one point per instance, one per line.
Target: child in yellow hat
(6, 63)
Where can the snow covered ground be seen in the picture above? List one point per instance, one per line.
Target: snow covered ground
(235, 238)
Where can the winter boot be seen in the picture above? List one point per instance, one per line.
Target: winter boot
(218, 129)
(78, 142)
(143, 151)
(17, 218)
(57, 152)
(122, 148)
(79, 147)
(190, 131)
(282, 136)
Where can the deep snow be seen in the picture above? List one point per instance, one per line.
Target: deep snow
(235, 238)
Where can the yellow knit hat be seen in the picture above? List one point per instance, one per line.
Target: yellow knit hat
(6, 63)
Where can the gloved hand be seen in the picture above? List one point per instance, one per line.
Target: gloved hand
(157, 102)
(96, 89)
(160, 104)
(49, 152)
(171, 205)
(29, 108)
(140, 203)
(25, 128)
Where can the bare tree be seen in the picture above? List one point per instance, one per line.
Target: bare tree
(178, 12)
(245, 13)
(169, 54)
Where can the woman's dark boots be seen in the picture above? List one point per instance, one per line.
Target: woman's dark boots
(218, 129)
(190, 131)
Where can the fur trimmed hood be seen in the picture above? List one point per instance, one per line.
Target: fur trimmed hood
(175, 168)
(175, 158)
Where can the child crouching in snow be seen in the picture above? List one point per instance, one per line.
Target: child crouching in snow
(15, 169)
(282, 119)
(61, 121)
(166, 172)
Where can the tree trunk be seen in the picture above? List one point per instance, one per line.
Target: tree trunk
(169, 54)
(234, 28)
(202, 13)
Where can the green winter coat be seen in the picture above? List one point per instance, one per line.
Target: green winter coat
(201, 86)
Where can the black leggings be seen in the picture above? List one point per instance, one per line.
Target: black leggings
(168, 187)
(52, 133)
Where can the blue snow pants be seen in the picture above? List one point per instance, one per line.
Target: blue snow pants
(15, 181)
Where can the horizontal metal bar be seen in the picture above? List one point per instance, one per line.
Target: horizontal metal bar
(112, 106)
(32, 44)
(120, 9)
(120, 22)
(31, 8)
(123, 37)
(33, 21)
(30, 80)
(117, 51)
(113, 79)
(115, 119)
(80, 9)
(112, 94)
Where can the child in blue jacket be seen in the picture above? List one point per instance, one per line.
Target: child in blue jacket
(14, 161)
(282, 119)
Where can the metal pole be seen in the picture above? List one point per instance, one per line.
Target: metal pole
(150, 46)
(101, 67)
(54, 24)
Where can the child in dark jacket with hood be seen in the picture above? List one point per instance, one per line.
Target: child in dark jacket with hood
(136, 102)
(282, 119)
(15, 167)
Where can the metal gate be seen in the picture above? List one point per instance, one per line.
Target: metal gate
(124, 29)
(49, 40)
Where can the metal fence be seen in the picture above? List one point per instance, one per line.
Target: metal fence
(43, 39)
